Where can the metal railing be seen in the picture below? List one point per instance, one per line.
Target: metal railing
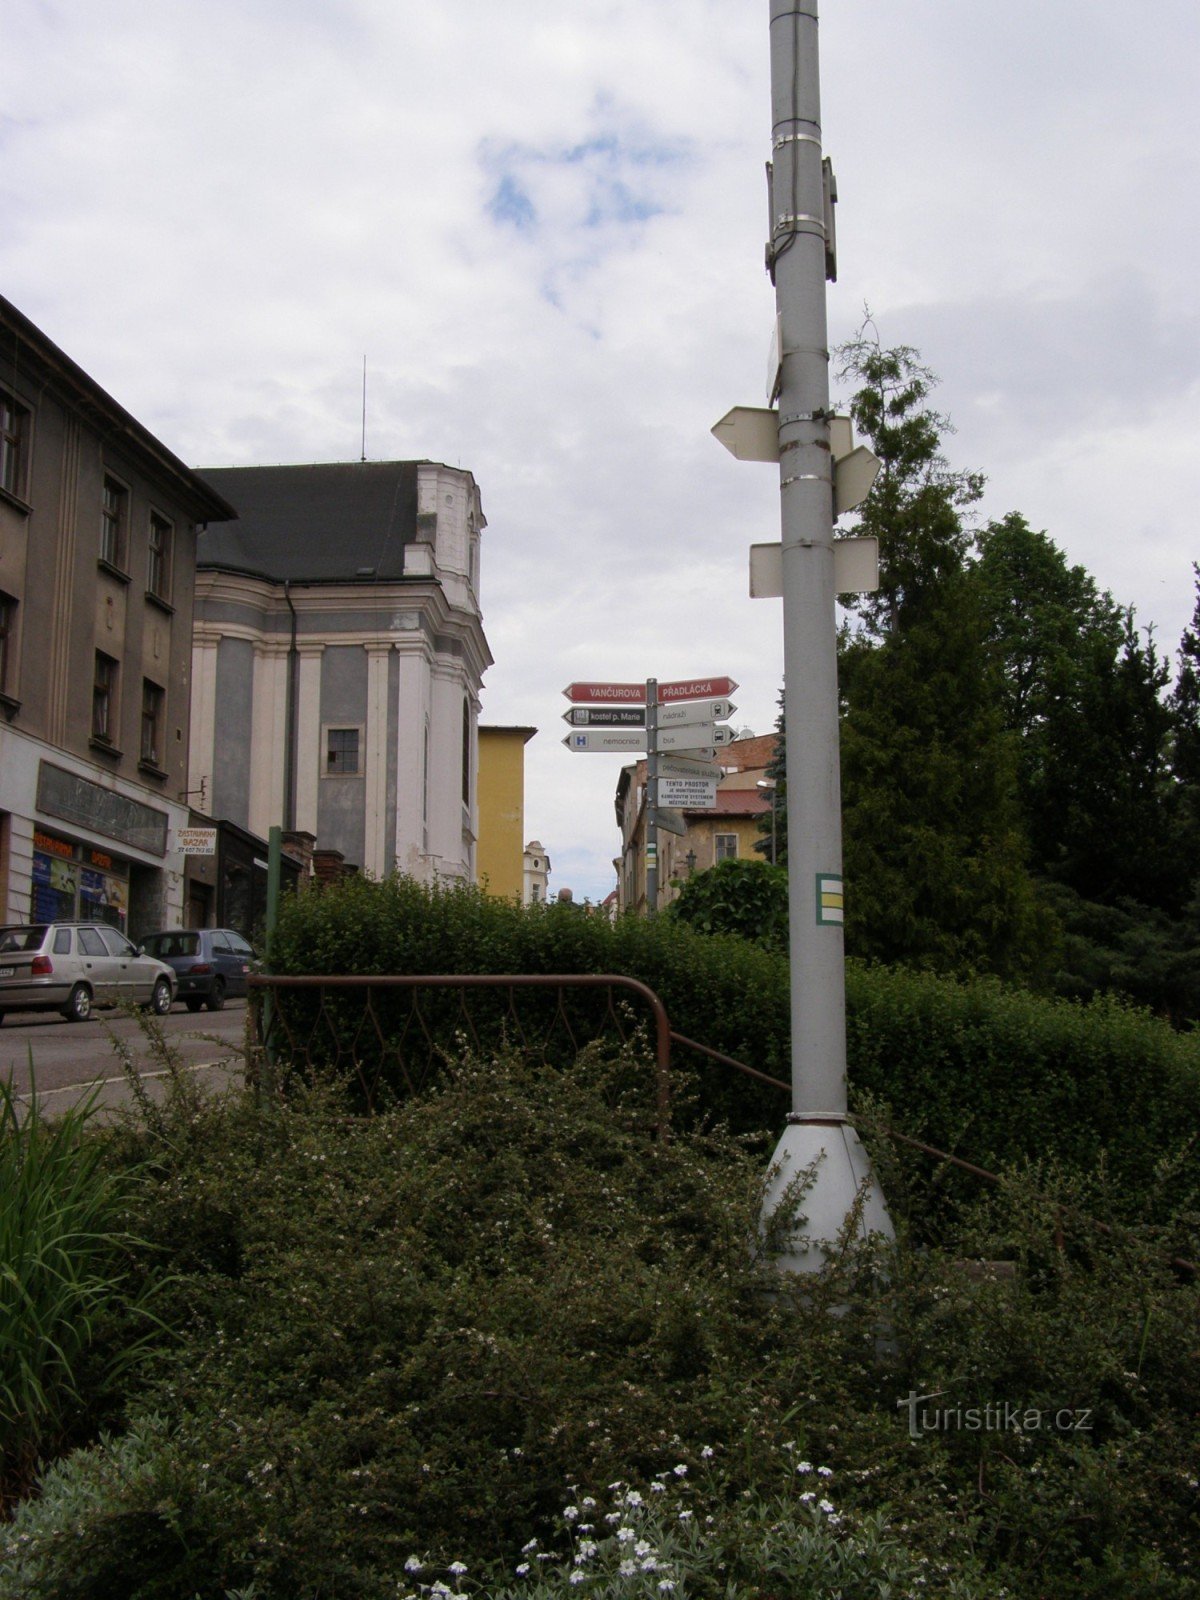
(415, 1040)
(411, 1037)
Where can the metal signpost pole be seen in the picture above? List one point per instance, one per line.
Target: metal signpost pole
(651, 794)
(817, 1129)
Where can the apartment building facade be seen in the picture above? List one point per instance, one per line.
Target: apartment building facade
(98, 527)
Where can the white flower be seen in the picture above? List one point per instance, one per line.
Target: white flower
(704, 1455)
(633, 1498)
(650, 1564)
(587, 1502)
(526, 1548)
(577, 1577)
(666, 1585)
(680, 1471)
(824, 1505)
(642, 1548)
(624, 1535)
(685, 1516)
(586, 1549)
(804, 1466)
(627, 1569)
(825, 1472)
(571, 1514)
(658, 1488)
(413, 1564)
(807, 1497)
(457, 1568)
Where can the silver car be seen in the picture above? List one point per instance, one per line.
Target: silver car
(73, 966)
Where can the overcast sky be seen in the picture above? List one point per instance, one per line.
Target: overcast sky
(542, 222)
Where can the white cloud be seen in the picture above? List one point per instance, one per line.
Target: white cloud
(543, 225)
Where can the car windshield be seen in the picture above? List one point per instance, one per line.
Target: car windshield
(167, 946)
(21, 939)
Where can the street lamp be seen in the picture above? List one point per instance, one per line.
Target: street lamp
(769, 786)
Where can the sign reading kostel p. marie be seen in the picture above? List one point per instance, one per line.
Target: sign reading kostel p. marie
(634, 694)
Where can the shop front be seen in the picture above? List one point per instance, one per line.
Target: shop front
(74, 881)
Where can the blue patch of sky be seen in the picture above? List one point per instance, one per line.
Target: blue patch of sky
(611, 164)
(511, 203)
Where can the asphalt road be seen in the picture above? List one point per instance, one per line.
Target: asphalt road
(68, 1058)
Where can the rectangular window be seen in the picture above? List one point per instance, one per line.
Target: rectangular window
(725, 847)
(14, 436)
(341, 751)
(8, 642)
(114, 521)
(158, 571)
(152, 719)
(104, 698)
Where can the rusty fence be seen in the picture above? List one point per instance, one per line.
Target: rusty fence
(364, 1026)
(381, 1029)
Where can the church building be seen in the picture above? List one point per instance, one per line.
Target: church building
(338, 656)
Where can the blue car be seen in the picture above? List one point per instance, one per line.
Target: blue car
(209, 963)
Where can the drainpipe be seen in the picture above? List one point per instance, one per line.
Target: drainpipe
(289, 737)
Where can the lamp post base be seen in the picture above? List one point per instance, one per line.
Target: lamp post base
(843, 1184)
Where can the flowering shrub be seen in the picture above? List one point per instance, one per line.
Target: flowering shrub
(433, 1336)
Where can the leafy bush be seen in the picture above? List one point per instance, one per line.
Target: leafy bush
(749, 898)
(418, 1336)
(995, 1074)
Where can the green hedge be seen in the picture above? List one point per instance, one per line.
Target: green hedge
(994, 1074)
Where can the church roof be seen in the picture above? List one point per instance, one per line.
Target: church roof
(329, 523)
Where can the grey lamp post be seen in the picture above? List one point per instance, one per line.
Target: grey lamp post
(818, 1134)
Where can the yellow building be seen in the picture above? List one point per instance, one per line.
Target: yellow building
(500, 847)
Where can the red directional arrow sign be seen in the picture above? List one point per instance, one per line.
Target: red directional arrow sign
(696, 689)
(634, 694)
(606, 694)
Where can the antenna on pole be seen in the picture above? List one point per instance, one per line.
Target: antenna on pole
(364, 455)
(364, 411)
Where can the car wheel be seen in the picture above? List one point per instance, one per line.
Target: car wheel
(216, 995)
(160, 999)
(193, 1002)
(79, 1006)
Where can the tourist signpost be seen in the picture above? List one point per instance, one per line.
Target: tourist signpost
(688, 718)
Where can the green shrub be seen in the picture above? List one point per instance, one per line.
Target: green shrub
(749, 898)
(994, 1074)
(417, 1334)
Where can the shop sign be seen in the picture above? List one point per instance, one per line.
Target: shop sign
(90, 805)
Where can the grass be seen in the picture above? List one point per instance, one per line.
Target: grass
(64, 1273)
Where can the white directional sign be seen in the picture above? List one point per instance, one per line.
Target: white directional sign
(750, 433)
(695, 711)
(855, 567)
(686, 767)
(607, 739)
(694, 738)
(691, 735)
(606, 716)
